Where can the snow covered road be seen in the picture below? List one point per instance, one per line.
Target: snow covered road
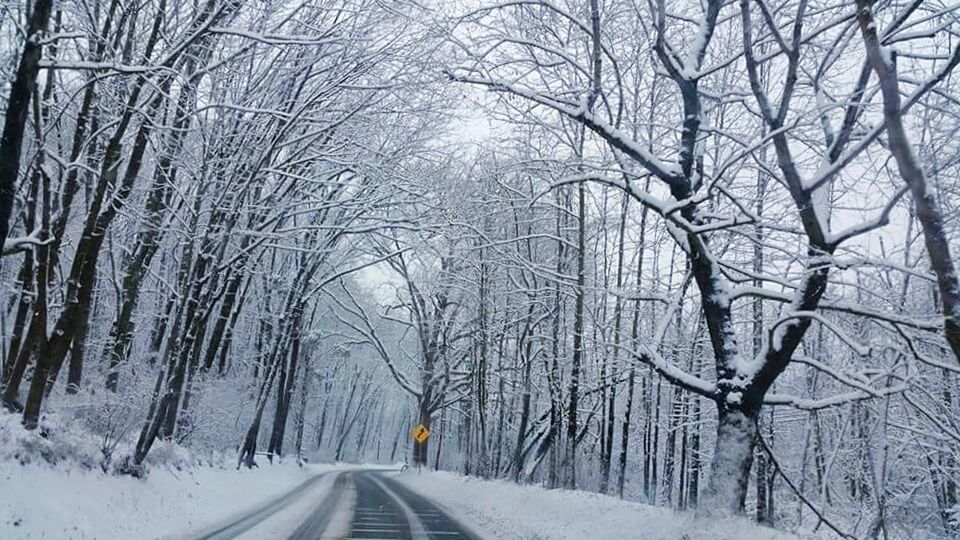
(352, 504)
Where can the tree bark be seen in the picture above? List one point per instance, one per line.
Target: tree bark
(732, 459)
(286, 387)
(578, 323)
(18, 106)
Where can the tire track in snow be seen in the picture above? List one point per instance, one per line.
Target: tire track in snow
(335, 502)
(252, 519)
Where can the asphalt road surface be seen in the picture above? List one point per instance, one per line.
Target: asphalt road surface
(362, 505)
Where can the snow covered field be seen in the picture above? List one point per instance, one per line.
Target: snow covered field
(508, 511)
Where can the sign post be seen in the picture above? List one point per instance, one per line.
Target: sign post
(420, 434)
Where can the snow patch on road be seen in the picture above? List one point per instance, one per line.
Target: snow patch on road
(509, 511)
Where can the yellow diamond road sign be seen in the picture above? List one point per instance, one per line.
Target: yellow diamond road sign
(420, 433)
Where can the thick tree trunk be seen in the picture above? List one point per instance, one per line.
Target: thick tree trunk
(322, 424)
(501, 418)
(26, 279)
(436, 459)
(732, 459)
(77, 351)
(421, 450)
(466, 439)
(33, 340)
(151, 426)
(15, 365)
(482, 395)
(18, 106)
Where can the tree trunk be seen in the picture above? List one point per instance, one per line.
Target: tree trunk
(524, 411)
(625, 435)
(18, 106)
(693, 489)
(571, 459)
(286, 388)
(732, 460)
(304, 396)
(436, 460)
(248, 449)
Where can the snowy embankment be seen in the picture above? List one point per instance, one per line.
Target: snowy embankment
(57, 482)
(505, 510)
(39, 501)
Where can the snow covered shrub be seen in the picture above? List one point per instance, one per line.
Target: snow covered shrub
(88, 431)
(169, 454)
(57, 441)
(112, 423)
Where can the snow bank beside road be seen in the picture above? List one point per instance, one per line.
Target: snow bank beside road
(54, 483)
(508, 511)
(38, 501)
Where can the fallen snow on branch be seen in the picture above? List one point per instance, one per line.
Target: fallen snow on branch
(23, 243)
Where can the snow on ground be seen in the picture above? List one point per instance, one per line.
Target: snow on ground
(55, 483)
(505, 510)
(39, 501)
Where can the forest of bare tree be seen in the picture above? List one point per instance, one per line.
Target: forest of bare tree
(695, 254)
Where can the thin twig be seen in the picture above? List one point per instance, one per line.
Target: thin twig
(779, 469)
